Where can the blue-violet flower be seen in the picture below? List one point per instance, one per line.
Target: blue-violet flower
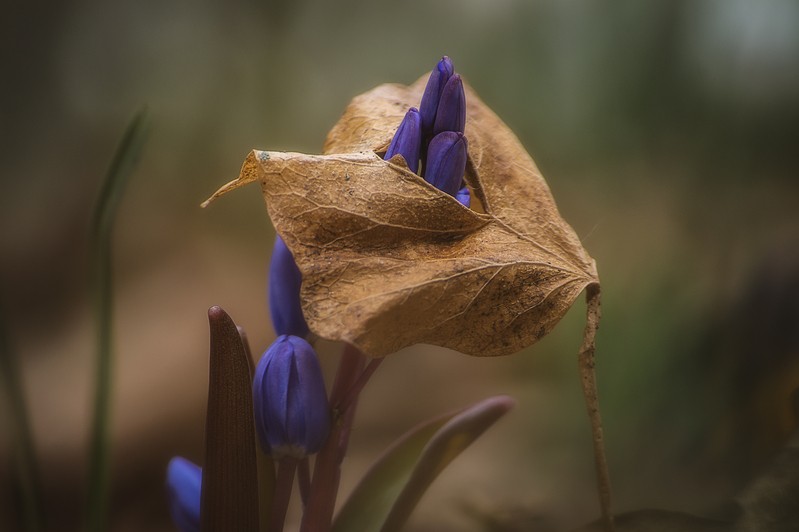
(451, 115)
(184, 484)
(407, 140)
(292, 416)
(442, 117)
(464, 197)
(446, 162)
(432, 93)
(284, 292)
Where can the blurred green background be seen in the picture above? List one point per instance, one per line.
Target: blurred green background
(667, 131)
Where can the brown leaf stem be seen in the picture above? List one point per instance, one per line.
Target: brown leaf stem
(327, 469)
(304, 480)
(265, 466)
(587, 363)
(354, 391)
(286, 468)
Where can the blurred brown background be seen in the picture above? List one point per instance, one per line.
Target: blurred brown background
(667, 131)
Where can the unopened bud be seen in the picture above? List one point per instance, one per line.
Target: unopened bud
(451, 115)
(407, 140)
(284, 292)
(432, 92)
(292, 416)
(446, 162)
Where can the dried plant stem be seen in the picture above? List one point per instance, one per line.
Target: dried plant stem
(587, 363)
(304, 480)
(280, 503)
(327, 469)
(357, 387)
(265, 466)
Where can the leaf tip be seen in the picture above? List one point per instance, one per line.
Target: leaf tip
(250, 171)
(486, 412)
(500, 403)
(216, 313)
(221, 323)
(399, 160)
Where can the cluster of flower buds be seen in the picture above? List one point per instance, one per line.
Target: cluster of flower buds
(433, 134)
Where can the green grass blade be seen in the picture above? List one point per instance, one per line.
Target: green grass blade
(369, 503)
(25, 462)
(102, 225)
(447, 443)
(393, 486)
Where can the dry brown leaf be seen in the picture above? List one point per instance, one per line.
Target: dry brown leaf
(389, 261)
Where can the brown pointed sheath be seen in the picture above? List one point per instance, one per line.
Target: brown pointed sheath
(230, 485)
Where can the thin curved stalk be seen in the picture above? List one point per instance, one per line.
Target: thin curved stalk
(26, 463)
(356, 388)
(286, 468)
(102, 225)
(587, 362)
(327, 468)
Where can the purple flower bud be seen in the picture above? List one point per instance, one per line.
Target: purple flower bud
(183, 484)
(432, 92)
(446, 162)
(451, 115)
(464, 197)
(407, 140)
(284, 292)
(292, 416)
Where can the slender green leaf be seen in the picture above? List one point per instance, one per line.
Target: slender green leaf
(396, 482)
(229, 498)
(451, 440)
(369, 504)
(102, 225)
(26, 464)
